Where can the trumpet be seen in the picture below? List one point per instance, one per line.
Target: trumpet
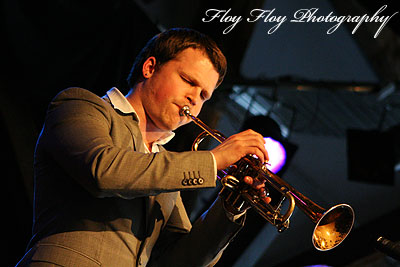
(332, 225)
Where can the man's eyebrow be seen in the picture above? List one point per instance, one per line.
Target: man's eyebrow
(190, 77)
(194, 80)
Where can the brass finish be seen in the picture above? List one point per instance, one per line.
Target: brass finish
(331, 225)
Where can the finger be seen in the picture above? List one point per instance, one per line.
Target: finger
(262, 192)
(247, 136)
(262, 142)
(263, 196)
(267, 200)
(265, 152)
(259, 186)
(248, 180)
(266, 155)
(257, 152)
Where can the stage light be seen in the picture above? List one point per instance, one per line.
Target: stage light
(276, 153)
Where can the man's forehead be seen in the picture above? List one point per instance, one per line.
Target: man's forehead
(188, 65)
(191, 51)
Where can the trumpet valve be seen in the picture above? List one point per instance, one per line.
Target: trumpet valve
(230, 182)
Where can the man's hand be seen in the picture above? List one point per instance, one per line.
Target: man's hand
(239, 145)
(259, 186)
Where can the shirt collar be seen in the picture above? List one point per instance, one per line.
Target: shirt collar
(119, 102)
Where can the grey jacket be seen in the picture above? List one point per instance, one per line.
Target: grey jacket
(93, 189)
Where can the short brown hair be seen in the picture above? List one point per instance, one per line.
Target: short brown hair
(168, 44)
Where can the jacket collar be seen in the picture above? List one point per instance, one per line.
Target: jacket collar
(119, 102)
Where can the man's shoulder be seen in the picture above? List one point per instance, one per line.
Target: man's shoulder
(79, 100)
(76, 93)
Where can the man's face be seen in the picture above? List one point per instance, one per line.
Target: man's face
(189, 79)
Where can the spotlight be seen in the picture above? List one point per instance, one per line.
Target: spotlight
(277, 154)
(280, 151)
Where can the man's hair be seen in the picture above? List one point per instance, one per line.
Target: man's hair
(167, 45)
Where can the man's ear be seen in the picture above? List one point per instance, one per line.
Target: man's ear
(149, 67)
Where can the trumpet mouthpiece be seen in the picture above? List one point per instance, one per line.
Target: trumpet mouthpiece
(185, 111)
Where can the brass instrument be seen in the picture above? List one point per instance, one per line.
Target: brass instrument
(331, 225)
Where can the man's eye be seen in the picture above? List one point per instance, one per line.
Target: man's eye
(187, 81)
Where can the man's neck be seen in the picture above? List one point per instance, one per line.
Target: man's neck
(150, 133)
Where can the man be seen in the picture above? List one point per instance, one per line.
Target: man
(107, 193)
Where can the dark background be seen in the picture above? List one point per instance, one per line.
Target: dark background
(48, 46)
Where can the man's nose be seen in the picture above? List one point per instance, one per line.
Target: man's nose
(191, 100)
(193, 96)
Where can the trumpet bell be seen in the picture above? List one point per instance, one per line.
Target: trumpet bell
(333, 227)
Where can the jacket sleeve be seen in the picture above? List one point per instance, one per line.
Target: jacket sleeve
(203, 245)
(78, 136)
